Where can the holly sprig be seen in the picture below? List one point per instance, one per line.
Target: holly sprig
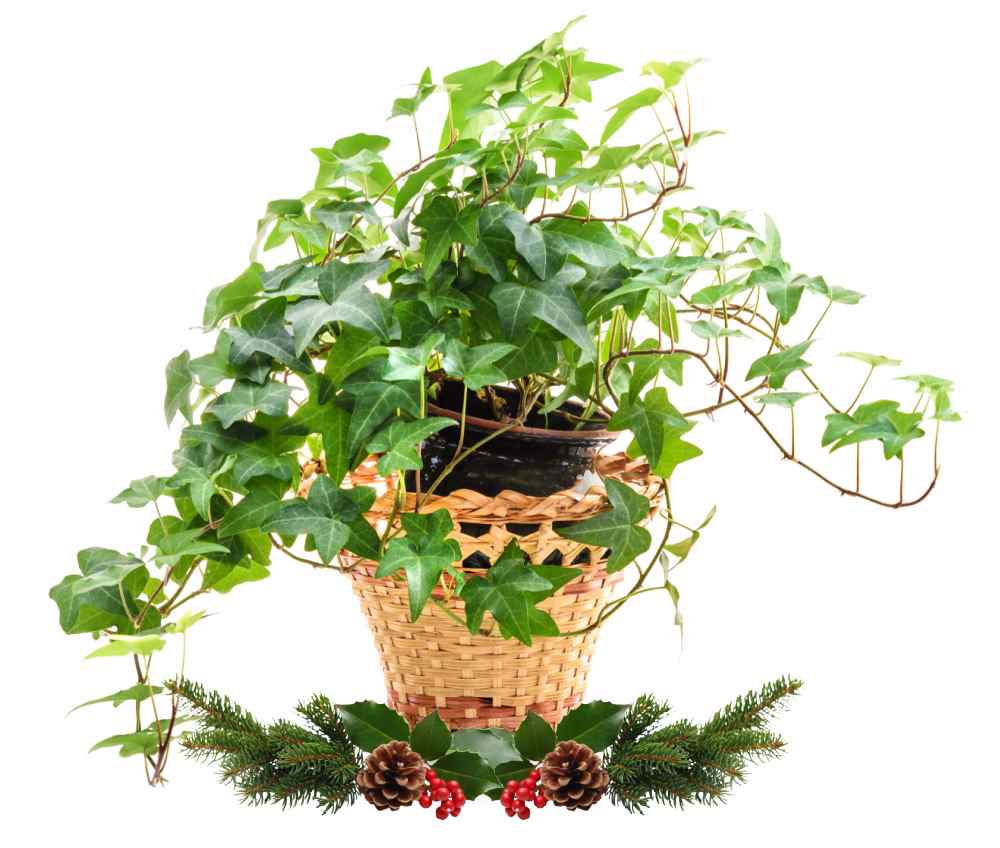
(647, 761)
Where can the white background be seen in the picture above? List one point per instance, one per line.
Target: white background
(141, 141)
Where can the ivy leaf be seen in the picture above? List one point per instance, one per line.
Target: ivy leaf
(671, 365)
(263, 331)
(475, 366)
(595, 724)
(322, 414)
(549, 301)
(783, 292)
(785, 399)
(423, 555)
(409, 105)
(444, 224)
(409, 363)
(592, 243)
(120, 645)
(431, 737)
(529, 242)
(141, 492)
(777, 366)
(180, 381)
(174, 546)
(657, 426)
(617, 528)
(352, 351)
(873, 360)
(710, 331)
(471, 771)
(881, 420)
(398, 443)
(373, 403)
(502, 593)
(102, 607)
(246, 397)
(627, 107)
(535, 737)
(139, 692)
(940, 390)
(250, 513)
(144, 742)
(670, 73)
(369, 725)
(338, 216)
(233, 297)
(112, 571)
(327, 514)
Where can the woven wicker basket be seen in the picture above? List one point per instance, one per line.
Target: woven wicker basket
(482, 680)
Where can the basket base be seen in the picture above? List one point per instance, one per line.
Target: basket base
(479, 712)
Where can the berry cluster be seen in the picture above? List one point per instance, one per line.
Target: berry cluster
(519, 793)
(448, 794)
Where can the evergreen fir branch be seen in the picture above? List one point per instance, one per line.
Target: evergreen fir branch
(682, 763)
(283, 762)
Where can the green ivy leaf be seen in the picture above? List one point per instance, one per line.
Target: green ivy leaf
(180, 381)
(422, 555)
(246, 397)
(369, 725)
(785, 399)
(710, 331)
(535, 738)
(592, 243)
(121, 645)
(263, 331)
(233, 297)
(399, 441)
(444, 224)
(617, 528)
(783, 291)
(409, 105)
(475, 366)
(249, 514)
(595, 724)
(503, 593)
(144, 742)
(141, 492)
(139, 692)
(628, 107)
(657, 426)
(431, 737)
(549, 301)
(873, 360)
(670, 73)
(373, 403)
(777, 366)
(881, 420)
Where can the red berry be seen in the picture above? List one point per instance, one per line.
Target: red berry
(517, 804)
(536, 775)
(430, 774)
(425, 800)
(524, 793)
(458, 796)
(510, 812)
(448, 805)
(524, 813)
(540, 800)
(512, 785)
(436, 782)
(440, 794)
(506, 797)
(441, 813)
(529, 784)
(453, 786)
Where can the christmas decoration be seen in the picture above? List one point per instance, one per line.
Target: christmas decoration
(393, 776)
(366, 749)
(572, 776)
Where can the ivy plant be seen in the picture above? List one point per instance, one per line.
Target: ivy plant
(513, 251)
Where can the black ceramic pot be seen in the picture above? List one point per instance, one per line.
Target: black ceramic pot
(543, 456)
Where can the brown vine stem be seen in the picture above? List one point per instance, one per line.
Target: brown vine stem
(785, 453)
(315, 563)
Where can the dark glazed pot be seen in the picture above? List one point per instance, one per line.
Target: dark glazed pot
(544, 456)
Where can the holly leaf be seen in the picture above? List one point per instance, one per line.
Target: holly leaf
(535, 737)
(180, 381)
(475, 366)
(493, 744)
(444, 224)
(369, 725)
(422, 555)
(399, 442)
(503, 593)
(431, 737)
(246, 397)
(471, 771)
(617, 528)
(777, 366)
(595, 724)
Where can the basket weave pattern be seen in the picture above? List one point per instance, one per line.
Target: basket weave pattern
(483, 680)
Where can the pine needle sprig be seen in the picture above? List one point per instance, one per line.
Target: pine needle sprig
(283, 763)
(682, 763)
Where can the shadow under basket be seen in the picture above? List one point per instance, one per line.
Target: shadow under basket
(481, 679)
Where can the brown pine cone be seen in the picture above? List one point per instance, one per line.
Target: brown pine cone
(571, 776)
(393, 776)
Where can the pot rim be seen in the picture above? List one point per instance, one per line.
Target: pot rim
(540, 433)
